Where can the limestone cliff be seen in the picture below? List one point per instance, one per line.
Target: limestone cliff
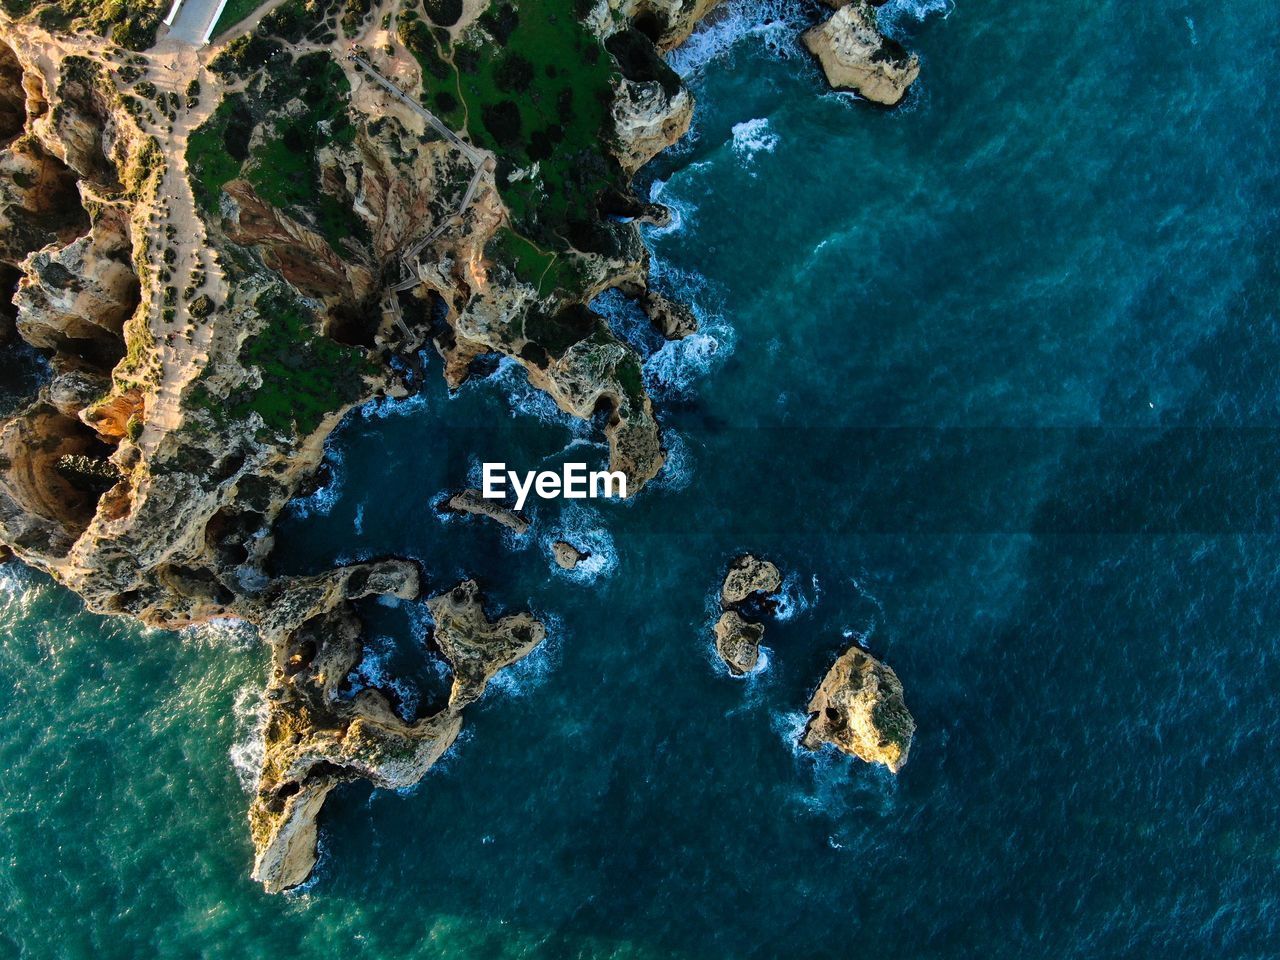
(858, 708)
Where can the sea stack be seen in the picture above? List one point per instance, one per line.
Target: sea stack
(748, 581)
(856, 56)
(858, 708)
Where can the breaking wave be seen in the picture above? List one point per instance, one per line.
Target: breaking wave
(249, 748)
(583, 527)
(754, 136)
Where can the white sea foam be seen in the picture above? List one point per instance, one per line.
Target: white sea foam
(224, 632)
(677, 471)
(894, 14)
(775, 23)
(380, 408)
(249, 748)
(320, 502)
(678, 209)
(583, 527)
(679, 364)
(523, 398)
(753, 136)
(793, 599)
(373, 671)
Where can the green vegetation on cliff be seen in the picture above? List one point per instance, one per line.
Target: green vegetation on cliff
(132, 25)
(305, 375)
(283, 167)
(531, 82)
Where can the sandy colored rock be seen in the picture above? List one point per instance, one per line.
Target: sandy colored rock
(738, 642)
(672, 319)
(859, 709)
(473, 502)
(475, 646)
(647, 120)
(566, 555)
(856, 56)
(749, 575)
(315, 737)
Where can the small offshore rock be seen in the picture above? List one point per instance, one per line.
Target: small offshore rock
(749, 575)
(859, 709)
(566, 555)
(856, 56)
(471, 501)
(738, 642)
(475, 646)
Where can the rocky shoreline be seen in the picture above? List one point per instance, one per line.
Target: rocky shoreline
(221, 251)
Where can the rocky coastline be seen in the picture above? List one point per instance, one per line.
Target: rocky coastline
(222, 251)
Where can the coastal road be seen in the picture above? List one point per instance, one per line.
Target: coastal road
(194, 20)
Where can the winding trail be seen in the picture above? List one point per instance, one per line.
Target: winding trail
(410, 276)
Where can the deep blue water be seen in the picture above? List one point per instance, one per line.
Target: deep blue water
(991, 377)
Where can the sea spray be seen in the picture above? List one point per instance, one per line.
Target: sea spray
(751, 137)
(249, 748)
(584, 528)
(775, 24)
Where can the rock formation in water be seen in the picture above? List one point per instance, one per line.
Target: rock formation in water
(319, 734)
(222, 251)
(747, 590)
(738, 642)
(858, 708)
(473, 502)
(856, 56)
(749, 576)
(475, 646)
(566, 555)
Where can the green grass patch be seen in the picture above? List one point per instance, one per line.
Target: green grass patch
(212, 161)
(305, 375)
(532, 83)
(282, 168)
(233, 13)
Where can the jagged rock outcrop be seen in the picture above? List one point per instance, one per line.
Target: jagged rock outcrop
(566, 555)
(856, 56)
(318, 734)
(749, 575)
(648, 119)
(475, 646)
(667, 22)
(473, 502)
(738, 642)
(746, 592)
(211, 322)
(78, 296)
(674, 320)
(858, 708)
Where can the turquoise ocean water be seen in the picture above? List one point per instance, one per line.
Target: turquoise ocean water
(992, 377)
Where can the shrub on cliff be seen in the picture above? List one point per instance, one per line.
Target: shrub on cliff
(445, 13)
